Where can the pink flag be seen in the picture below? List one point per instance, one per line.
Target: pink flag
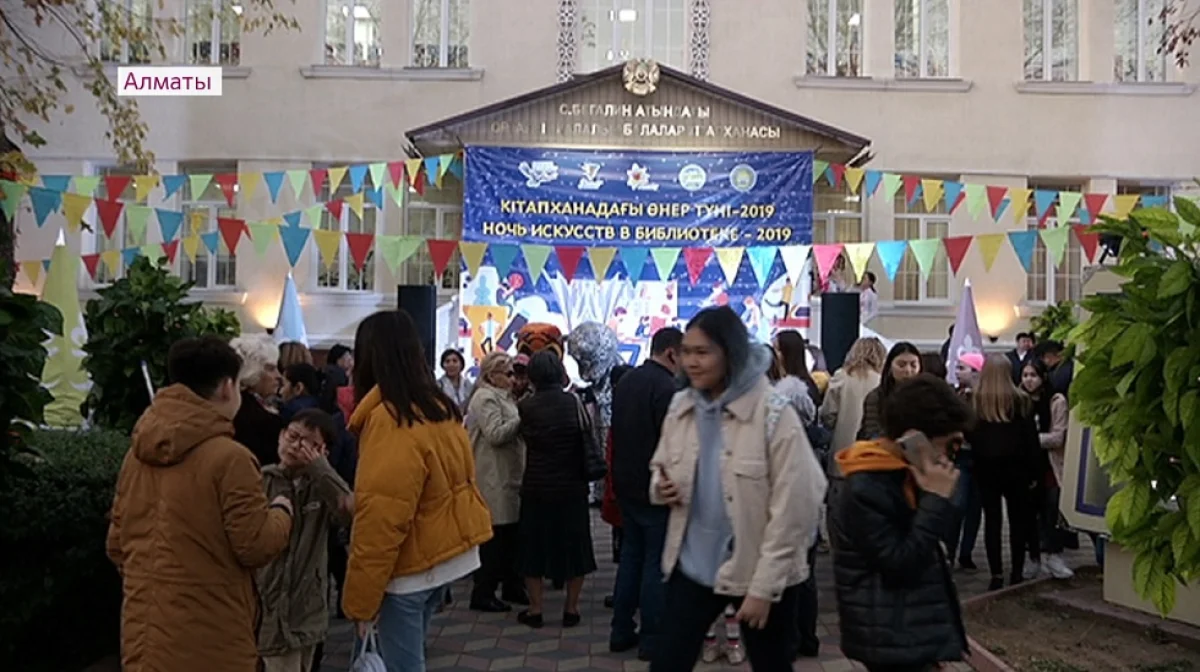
(826, 255)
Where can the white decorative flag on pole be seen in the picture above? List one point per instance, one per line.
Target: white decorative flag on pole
(290, 326)
(965, 337)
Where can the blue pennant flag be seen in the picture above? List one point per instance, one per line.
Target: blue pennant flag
(1023, 243)
(1085, 217)
(57, 182)
(357, 175)
(45, 201)
(1001, 208)
(874, 177)
(293, 218)
(762, 260)
(274, 183)
(634, 259)
(918, 194)
(376, 196)
(294, 239)
(130, 254)
(456, 168)
(891, 253)
(210, 241)
(172, 184)
(169, 222)
(46, 265)
(503, 256)
(951, 191)
(1042, 200)
(431, 169)
(1154, 201)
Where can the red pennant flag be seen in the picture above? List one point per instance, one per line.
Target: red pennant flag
(360, 245)
(317, 175)
(396, 172)
(228, 184)
(115, 185)
(231, 231)
(996, 196)
(170, 249)
(90, 261)
(956, 250)
(335, 209)
(838, 170)
(419, 184)
(109, 212)
(569, 257)
(696, 259)
(1095, 205)
(1090, 242)
(911, 183)
(440, 252)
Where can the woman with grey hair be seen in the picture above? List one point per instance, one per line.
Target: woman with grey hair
(257, 424)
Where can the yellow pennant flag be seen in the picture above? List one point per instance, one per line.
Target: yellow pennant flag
(1124, 204)
(860, 256)
(473, 254)
(931, 192)
(989, 246)
(112, 261)
(248, 185)
(191, 245)
(74, 207)
(336, 175)
(730, 259)
(601, 258)
(32, 270)
(143, 185)
(854, 178)
(1020, 203)
(355, 201)
(328, 243)
(199, 222)
(412, 167)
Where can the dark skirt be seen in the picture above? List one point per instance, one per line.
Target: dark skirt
(555, 537)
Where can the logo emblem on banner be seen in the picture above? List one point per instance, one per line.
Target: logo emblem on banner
(692, 177)
(743, 177)
(538, 173)
(590, 180)
(638, 179)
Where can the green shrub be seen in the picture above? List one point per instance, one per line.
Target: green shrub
(24, 321)
(61, 595)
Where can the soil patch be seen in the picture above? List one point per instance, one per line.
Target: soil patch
(1032, 636)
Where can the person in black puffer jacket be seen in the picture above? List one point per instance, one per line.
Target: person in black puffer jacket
(897, 604)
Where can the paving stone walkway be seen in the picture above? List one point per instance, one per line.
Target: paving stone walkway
(464, 640)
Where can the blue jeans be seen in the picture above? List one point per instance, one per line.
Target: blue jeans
(403, 624)
(639, 575)
(970, 508)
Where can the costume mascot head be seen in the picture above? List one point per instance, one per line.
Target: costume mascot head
(595, 349)
(537, 336)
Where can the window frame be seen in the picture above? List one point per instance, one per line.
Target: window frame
(647, 10)
(910, 265)
(924, 50)
(831, 41)
(1047, 36)
(418, 269)
(344, 261)
(126, 6)
(443, 61)
(825, 220)
(1142, 23)
(347, 38)
(185, 201)
(216, 19)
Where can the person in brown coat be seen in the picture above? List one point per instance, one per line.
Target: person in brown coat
(190, 523)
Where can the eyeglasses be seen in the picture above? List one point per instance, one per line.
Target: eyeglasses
(295, 437)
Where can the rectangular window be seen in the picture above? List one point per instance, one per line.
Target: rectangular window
(437, 214)
(440, 29)
(1051, 40)
(213, 22)
(614, 31)
(837, 215)
(1138, 33)
(835, 38)
(341, 273)
(912, 222)
(200, 215)
(1049, 282)
(122, 237)
(922, 38)
(130, 23)
(352, 33)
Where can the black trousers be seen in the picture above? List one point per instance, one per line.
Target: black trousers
(694, 607)
(1010, 483)
(498, 564)
(806, 642)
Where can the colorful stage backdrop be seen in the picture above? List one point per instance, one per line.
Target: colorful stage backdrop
(649, 222)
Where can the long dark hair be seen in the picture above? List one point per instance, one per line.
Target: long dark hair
(1042, 395)
(888, 382)
(391, 358)
(793, 350)
(725, 329)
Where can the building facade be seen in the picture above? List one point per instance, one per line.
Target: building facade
(1062, 95)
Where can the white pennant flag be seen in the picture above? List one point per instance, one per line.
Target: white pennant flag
(794, 257)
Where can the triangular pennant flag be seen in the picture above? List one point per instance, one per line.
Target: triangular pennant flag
(130, 255)
(153, 252)
(931, 192)
(1055, 239)
(601, 257)
(569, 257)
(730, 260)
(891, 253)
(58, 183)
(924, 250)
(359, 245)
(503, 256)
(248, 185)
(317, 176)
(171, 249)
(11, 194)
(112, 261)
(825, 256)
(1089, 242)
(210, 241)
(274, 182)
(634, 260)
(199, 184)
(854, 178)
(1123, 204)
(191, 246)
(172, 184)
(397, 194)
(874, 177)
(74, 207)
(395, 173)
(837, 171)
(891, 184)
(444, 163)
(231, 232)
(665, 259)
(377, 172)
(1020, 203)
(336, 175)
(334, 208)
(375, 196)
(762, 260)
(109, 213)
(228, 184)
(431, 169)
(794, 258)
(419, 185)
(261, 234)
(85, 185)
(976, 199)
(1157, 201)
(859, 255)
(32, 271)
(440, 252)
(46, 265)
(142, 186)
(199, 221)
(137, 218)
(819, 168)
(297, 178)
(405, 247)
(412, 168)
(44, 203)
(292, 218)
(535, 260)
(1023, 243)
(695, 259)
(1068, 201)
(294, 239)
(472, 253)
(115, 186)
(355, 201)
(912, 186)
(358, 174)
(1094, 203)
(956, 251)
(952, 194)
(169, 223)
(90, 261)
(313, 214)
(996, 196)
(989, 246)
(385, 246)
(329, 243)
(456, 166)
(1043, 199)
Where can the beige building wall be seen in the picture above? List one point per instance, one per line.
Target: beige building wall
(283, 108)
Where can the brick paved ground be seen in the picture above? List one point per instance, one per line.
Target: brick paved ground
(465, 640)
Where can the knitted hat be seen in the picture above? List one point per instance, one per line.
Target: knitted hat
(972, 359)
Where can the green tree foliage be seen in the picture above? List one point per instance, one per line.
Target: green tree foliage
(1055, 322)
(24, 322)
(1138, 389)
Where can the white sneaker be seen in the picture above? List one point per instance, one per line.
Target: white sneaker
(1032, 570)
(1057, 567)
(711, 651)
(734, 654)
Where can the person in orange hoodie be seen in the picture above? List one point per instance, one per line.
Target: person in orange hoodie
(897, 604)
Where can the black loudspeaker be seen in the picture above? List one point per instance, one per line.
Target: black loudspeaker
(420, 301)
(839, 327)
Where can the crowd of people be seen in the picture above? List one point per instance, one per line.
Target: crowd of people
(257, 481)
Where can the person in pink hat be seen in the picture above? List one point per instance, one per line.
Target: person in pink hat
(967, 370)
(967, 499)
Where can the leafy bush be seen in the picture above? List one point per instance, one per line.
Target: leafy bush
(135, 320)
(24, 322)
(1138, 388)
(61, 595)
(1055, 322)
